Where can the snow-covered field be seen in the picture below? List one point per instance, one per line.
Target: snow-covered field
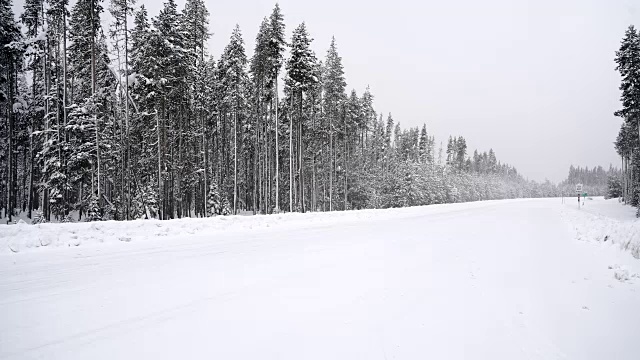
(517, 279)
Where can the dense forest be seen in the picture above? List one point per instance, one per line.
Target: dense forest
(627, 144)
(140, 121)
(595, 181)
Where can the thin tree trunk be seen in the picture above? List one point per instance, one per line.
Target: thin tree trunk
(301, 157)
(330, 163)
(256, 152)
(65, 102)
(268, 167)
(624, 181)
(59, 143)
(127, 185)
(277, 149)
(291, 187)
(205, 166)
(45, 75)
(179, 199)
(31, 167)
(235, 162)
(344, 157)
(9, 211)
(93, 96)
(80, 197)
(314, 186)
(160, 209)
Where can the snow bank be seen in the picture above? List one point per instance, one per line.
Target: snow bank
(23, 236)
(605, 221)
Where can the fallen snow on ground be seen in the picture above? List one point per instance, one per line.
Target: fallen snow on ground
(489, 280)
(611, 208)
(606, 221)
(23, 237)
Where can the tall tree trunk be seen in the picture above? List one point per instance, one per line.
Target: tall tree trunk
(291, 186)
(331, 162)
(127, 185)
(268, 164)
(301, 157)
(345, 159)
(625, 171)
(314, 186)
(45, 75)
(624, 180)
(179, 196)
(64, 103)
(31, 168)
(205, 166)
(277, 148)
(256, 152)
(235, 162)
(10, 169)
(158, 132)
(60, 196)
(93, 96)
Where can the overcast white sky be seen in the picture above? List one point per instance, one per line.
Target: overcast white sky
(534, 80)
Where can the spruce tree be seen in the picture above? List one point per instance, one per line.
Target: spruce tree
(276, 49)
(334, 96)
(300, 78)
(424, 144)
(234, 82)
(628, 144)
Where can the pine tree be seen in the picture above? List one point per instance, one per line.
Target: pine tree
(88, 67)
(195, 23)
(234, 82)
(300, 78)
(260, 95)
(33, 19)
(214, 200)
(369, 116)
(461, 152)
(276, 47)
(334, 96)
(628, 143)
(94, 211)
(147, 95)
(424, 144)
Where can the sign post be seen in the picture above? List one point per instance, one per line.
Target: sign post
(579, 192)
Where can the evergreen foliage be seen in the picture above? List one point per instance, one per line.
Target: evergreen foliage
(627, 144)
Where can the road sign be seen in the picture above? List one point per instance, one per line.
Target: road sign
(579, 188)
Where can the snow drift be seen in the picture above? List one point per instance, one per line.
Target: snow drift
(23, 236)
(605, 221)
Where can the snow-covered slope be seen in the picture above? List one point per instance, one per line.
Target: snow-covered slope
(492, 280)
(606, 221)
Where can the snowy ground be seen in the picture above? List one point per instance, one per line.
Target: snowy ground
(488, 280)
(605, 221)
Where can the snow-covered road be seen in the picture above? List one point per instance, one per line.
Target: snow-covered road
(500, 280)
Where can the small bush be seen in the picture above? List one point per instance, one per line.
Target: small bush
(38, 217)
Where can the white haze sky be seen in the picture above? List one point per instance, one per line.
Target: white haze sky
(534, 80)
